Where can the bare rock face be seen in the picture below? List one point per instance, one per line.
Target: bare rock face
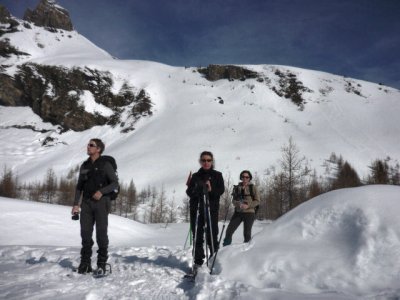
(9, 94)
(9, 24)
(54, 93)
(217, 72)
(50, 15)
(4, 14)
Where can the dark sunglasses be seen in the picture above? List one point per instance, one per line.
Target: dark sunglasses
(92, 145)
(206, 160)
(245, 176)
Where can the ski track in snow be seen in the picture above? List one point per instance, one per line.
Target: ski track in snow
(46, 273)
(30, 272)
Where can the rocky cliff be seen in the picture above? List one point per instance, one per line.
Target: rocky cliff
(8, 24)
(217, 72)
(75, 98)
(50, 15)
(56, 94)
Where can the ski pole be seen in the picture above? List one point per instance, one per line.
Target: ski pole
(187, 237)
(195, 235)
(190, 235)
(210, 225)
(205, 225)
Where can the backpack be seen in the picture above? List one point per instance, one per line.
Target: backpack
(114, 194)
(92, 181)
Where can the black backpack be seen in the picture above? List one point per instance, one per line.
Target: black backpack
(114, 194)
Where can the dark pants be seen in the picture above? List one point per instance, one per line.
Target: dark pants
(198, 246)
(237, 218)
(94, 212)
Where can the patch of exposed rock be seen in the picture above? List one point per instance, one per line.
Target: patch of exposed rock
(230, 72)
(291, 88)
(54, 93)
(6, 49)
(8, 23)
(50, 15)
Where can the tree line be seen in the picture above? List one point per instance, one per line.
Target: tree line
(282, 188)
(294, 182)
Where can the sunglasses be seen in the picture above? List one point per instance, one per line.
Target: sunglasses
(206, 160)
(92, 145)
(245, 176)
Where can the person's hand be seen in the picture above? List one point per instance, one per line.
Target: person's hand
(97, 195)
(75, 209)
(244, 206)
(208, 184)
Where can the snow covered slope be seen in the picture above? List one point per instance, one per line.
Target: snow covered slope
(350, 117)
(341, 245)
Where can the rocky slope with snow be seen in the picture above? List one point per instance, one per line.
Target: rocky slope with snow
(58, 90)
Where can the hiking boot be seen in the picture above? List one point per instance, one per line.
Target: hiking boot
(84, 268)
(195, 269)
(227, 242)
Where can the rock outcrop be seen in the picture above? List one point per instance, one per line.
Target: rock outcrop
(9, 24)
(50, 15)
(217, 72)
(54, 93)
(9, 94)
(291, 88)
(4, 15)
(6, 49)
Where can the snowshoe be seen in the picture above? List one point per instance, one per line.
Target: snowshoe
(102, 270)
(191, 276)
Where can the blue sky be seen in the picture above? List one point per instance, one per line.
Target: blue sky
(355, 38)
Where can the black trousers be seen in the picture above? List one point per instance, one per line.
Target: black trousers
(237, 218)
(198, 246)
(93, 213)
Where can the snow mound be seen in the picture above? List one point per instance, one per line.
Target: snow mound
(346, 241)
(42, 224)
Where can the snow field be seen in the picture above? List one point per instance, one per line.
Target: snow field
(341, 245)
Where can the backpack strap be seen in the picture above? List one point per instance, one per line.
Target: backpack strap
(235, 190)
(251, 189)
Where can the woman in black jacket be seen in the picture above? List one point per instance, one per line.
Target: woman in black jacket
(209, 183)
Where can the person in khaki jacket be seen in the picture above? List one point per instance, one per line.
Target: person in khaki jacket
(246, 199)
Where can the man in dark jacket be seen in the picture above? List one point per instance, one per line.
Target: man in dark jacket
(209, 182)
(97, 178)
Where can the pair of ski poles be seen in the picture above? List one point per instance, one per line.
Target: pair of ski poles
(206, 204)
(207, 224)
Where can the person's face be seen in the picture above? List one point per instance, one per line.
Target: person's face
(206, 162)
(245, 178)
(92, 148)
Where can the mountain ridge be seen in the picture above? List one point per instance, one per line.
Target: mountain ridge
(244, 121)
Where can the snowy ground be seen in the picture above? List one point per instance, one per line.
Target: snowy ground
(341, 245)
